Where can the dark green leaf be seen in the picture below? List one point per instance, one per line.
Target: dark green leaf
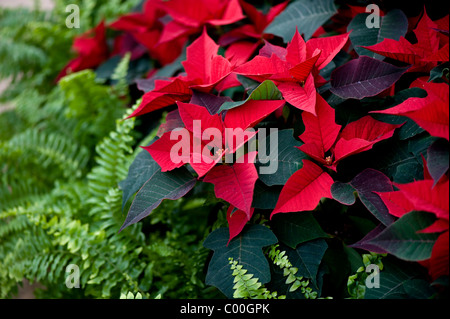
(168, 185)
(344, 193)
(307, 258)
(438, 159)
(438, 72)
(403, 240)
(305, 15)
(140, 171)
(265, 197)
(296, 228)
(267, 90)
(246, 249)
(393, 25)
(285, 157)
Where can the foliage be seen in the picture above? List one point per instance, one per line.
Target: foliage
(354, 167)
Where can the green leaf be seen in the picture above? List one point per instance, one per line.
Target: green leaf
(438, 159)
(265, 197)
(168, 185)
(305, 15)
(284, 159)
(438, 72)
(246, 249)
(392, 26)
(396, 281)
(403, 239)
(344, 193)
(267, 90)
(296, 228)
(140, 171)
(307, 258)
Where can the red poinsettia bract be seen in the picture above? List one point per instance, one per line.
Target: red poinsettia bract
(431, 46)
(91, 48)
(294, 69)
(146, 28)
(426, 195)
(188, 19)
(244, 40)
(327, 144)
(205, 71)
(204, 133)
(431, 113)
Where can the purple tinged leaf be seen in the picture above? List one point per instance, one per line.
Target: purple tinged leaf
(168, 185)
(364, 77)
(438, 159)
(210, 101)
(403, 238)
(367, 184)
(147, 85)
(364, 243)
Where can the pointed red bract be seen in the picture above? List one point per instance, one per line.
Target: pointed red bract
(423, 196)
(424, 54)
(235, 183)
(304, 189)
(162, 151)
(91, 48)
(189, 19)
(236, 221)
(251, 113)
(146, 28)
(321, 131)
(360, 136)
(431, 113)
(329, 47)
(439, 262)
(205, 70)
(165, 93)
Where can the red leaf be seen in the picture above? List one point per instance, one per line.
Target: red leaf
(431, 113)
(200, 54)
(165, 93)
(302, 97)
(239, 52)
(441, 55)
(251, 113)
(424, 197)
(163, 151)
(235, 183)
(396, 202)
(231, 14)
(330, 46)
(360, 136)
(236, 221)
(320, 131)
(301, 71)
(304, 189)
(262, 68)
(401, 50)
(438, 263)
(426, 34)
(191, 112)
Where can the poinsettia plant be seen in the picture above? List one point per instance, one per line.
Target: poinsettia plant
(312, 130)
